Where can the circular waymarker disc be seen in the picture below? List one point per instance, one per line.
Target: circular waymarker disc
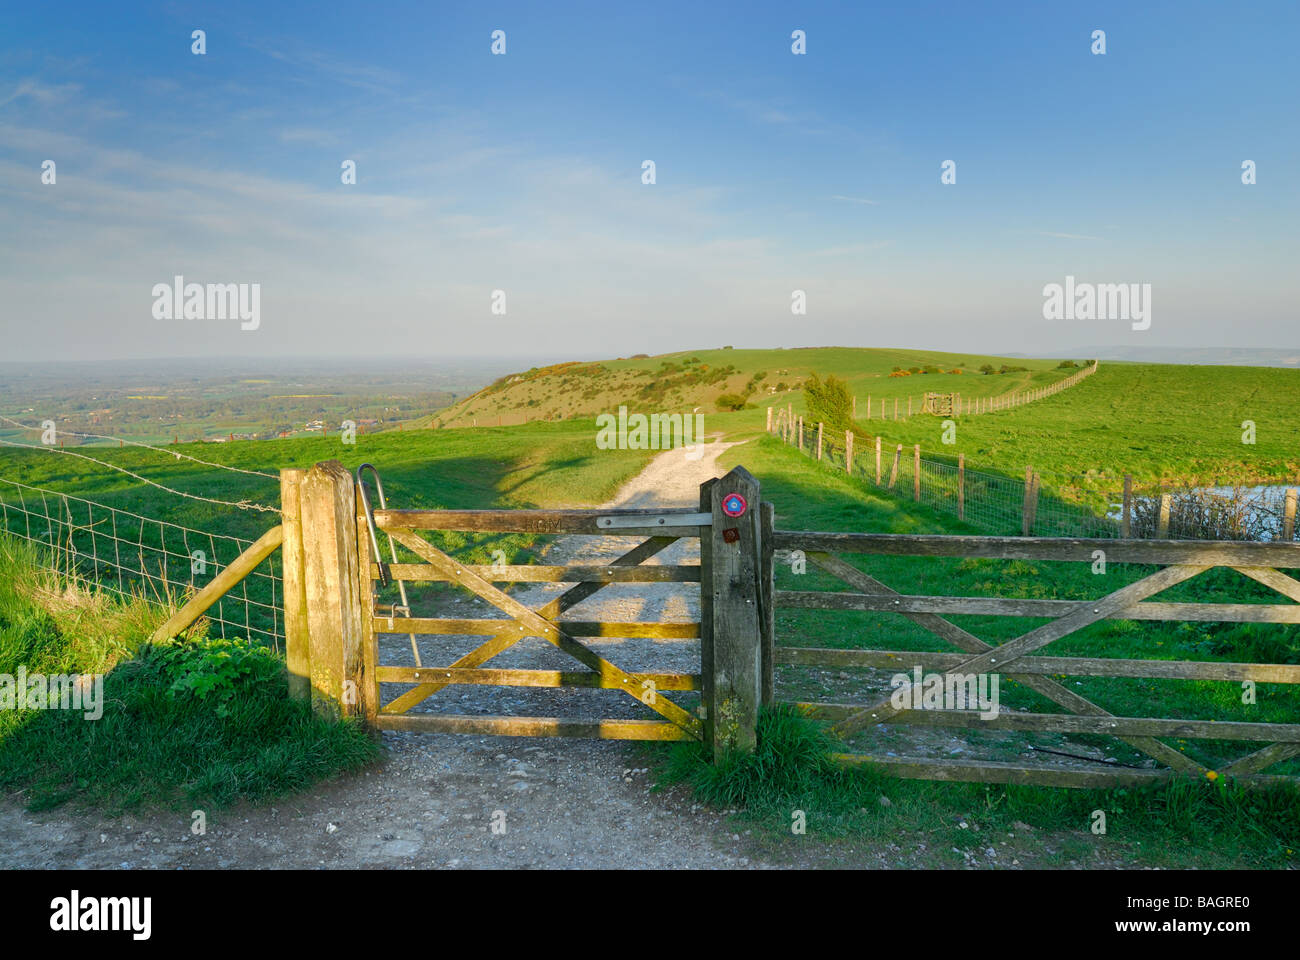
(734, 505)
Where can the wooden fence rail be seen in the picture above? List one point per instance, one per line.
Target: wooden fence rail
(1018, 658)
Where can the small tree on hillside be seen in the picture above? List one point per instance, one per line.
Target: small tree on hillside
(829, 402)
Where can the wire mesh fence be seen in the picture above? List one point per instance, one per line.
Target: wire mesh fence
(1010, 506)
(137, 557)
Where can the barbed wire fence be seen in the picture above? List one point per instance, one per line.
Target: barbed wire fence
(140, 558)
(1010, 506)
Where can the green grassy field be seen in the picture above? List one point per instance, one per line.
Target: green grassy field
(1161, 423)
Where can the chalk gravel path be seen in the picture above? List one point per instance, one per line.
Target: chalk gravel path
(430, 803)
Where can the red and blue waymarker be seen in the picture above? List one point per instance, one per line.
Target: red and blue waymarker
(734, 505)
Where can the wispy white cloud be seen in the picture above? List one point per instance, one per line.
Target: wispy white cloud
(873, 203)
(1067, 236)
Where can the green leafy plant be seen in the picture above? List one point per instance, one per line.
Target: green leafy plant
(217, 670)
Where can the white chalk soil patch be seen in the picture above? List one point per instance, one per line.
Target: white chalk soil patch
(432, 802)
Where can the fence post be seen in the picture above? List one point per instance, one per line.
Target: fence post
(296, 654)
(961, 486)
(769, 419)
(730, 613)
(893, 474)
(819, 439)
(1026, 521)
(801, 434)
(331, 564)
(1288, 515)
(877, 461)
(767, 587)
(916, 472)
(1162, 525)
(1126, 521)
(848, 452)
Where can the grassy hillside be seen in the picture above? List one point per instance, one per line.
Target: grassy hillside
(698, 378)
(1177, 424)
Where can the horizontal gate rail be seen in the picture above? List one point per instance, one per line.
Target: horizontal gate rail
(533, 726)
(1226, 553)
(534, 678)
(545, 574)
(577, 628)
(540, 521)
(1016, 607)
(1047, 666)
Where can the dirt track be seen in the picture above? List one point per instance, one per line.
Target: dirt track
(430, 803)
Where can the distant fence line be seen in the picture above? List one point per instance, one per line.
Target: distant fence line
(1007, 505)
(139, 557)
(899, 408)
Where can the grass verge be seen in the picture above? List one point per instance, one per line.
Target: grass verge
(201, 722)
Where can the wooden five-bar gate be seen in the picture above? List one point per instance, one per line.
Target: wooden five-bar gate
(333, 560)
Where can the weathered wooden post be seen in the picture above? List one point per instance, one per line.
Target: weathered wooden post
(1026, 519)
(877, 461)
(848, 452)
(801, 433)
(731, 617)
(767, 587)
(893, 473)
(961, 486)
(1126, 518)
(1288, 515)
(819, 440)
(296, 654)
(769, 419)
(916, 472)
(1162, 525)
(334, 612)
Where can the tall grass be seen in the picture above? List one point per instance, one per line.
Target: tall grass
(201, 722)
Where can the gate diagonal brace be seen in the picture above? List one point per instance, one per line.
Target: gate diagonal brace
(946, 630)
(496, 644)
(1012, 650)
(542, 627)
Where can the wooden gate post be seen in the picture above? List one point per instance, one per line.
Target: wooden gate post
(731, 617)
(1126, 517)
(334, 618)
(1288, 515)
(296, 654)
(916, 472)
(877, 461)
(1027, 507)
(961, 486)
(1162, 523)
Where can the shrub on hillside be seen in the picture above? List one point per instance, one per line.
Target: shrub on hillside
(732, 401)
(829, 402)
(986, 368)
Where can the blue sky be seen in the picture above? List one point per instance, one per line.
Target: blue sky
(522, 173)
